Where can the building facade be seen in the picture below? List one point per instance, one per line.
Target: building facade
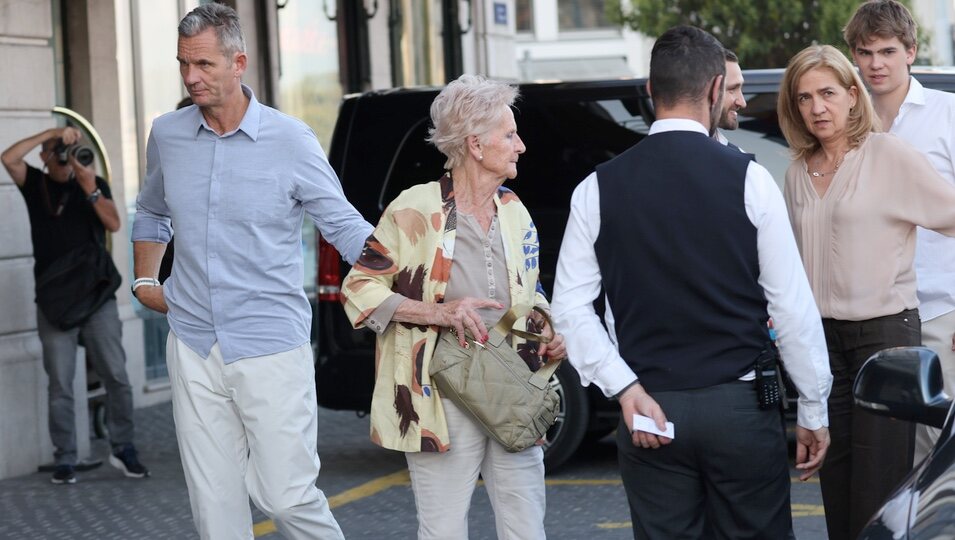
(574, 40)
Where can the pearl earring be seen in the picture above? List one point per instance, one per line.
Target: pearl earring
(481, 157)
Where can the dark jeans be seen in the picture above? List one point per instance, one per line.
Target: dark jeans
(724, 476)
(102, 336)
(869, 454)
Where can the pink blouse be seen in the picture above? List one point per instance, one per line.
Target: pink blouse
(857, 241)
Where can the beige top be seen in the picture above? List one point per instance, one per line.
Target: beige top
(479, 268)
(858, 240)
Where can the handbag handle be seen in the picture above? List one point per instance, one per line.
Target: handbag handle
(504, 326)
(540, 378)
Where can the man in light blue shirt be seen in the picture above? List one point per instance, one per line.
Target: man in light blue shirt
(234, 179)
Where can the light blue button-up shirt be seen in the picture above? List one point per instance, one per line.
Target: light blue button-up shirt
(236, 203)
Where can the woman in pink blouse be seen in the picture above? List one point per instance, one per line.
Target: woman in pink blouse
(855, 197)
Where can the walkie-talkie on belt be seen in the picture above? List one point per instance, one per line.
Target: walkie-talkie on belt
(767, 378)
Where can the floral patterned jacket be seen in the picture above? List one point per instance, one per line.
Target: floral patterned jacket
(410, 253)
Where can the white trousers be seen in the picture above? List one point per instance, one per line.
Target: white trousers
(937, 335)
(443, 484)
(249, 428)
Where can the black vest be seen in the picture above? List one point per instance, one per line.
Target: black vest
(678, 259)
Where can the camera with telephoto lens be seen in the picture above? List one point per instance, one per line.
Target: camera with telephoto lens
(83, 154)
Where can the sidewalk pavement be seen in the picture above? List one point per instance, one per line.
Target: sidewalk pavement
(103, 503)
(368, 489)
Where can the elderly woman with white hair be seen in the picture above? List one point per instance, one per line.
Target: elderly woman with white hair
(454, 254)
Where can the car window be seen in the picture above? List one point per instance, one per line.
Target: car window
(415, 162)
(759, 134)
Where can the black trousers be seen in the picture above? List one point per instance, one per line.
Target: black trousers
(869, 454)
(724, 476)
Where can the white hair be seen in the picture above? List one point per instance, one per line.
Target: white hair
(469, 105)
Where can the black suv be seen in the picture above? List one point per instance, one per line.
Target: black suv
(378, 149)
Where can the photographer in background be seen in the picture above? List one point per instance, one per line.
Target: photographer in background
(70, 209)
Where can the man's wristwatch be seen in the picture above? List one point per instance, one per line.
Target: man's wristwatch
(139, 282)
(93, 197)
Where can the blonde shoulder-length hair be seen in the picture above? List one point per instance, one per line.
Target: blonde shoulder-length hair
(862, 119)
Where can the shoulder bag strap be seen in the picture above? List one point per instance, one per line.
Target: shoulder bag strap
(542, 376)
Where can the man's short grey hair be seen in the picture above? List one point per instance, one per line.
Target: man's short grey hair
(221, 17)
(469, 105)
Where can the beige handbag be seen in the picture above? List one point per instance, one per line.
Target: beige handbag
(494, 386)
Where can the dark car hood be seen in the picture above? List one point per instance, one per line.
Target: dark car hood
(923, 506)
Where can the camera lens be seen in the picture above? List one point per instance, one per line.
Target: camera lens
(83, 154)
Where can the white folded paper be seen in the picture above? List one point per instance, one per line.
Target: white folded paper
(647, 424)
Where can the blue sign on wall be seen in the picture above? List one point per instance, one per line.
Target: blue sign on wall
(500, 13)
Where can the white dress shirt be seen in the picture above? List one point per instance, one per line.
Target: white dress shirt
(790, 302)
(926, 120)
(720, 138)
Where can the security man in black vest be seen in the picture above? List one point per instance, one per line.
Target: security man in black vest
(692, 244)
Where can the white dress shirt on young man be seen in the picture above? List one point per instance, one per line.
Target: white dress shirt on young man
(926, 120)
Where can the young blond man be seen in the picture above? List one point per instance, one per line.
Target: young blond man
(882, 36)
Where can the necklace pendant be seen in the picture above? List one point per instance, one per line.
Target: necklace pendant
(817, 175)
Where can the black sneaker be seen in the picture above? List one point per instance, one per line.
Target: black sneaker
(126, 461)
(63, 474)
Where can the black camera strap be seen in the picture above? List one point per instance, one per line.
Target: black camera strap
(63, 200)
(61, 204)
